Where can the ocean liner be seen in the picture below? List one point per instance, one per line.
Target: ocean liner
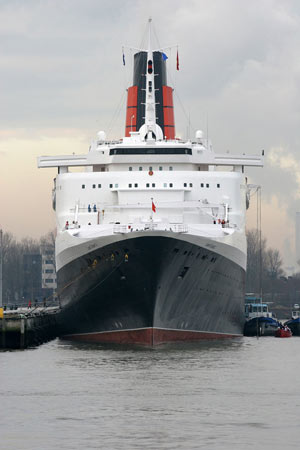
(151, 243)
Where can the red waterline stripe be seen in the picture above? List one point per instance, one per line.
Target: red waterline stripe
(147, 336)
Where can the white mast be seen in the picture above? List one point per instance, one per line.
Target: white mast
(150, 130)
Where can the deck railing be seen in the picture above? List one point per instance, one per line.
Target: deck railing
(150, 226)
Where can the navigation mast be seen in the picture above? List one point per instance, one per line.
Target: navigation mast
(150, 130)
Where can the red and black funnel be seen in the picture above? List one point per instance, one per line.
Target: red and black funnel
(135, 116)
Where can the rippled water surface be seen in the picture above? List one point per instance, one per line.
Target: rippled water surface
(242, 394)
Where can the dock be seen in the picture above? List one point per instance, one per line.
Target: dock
(25, 327)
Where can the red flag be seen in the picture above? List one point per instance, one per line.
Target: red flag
(153, 207)
(177, 61)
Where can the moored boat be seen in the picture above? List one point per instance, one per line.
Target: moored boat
(294, 323)
(283, 332)
(259, 320)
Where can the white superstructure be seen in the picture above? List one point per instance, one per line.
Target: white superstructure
(113, 194)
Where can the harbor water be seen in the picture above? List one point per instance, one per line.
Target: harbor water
(238, 394)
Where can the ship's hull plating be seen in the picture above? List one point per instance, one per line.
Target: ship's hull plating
(150, 290)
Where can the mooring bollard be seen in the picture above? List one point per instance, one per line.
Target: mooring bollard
(22, 333)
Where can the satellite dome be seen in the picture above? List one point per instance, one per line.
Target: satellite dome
(199, 134)
(101, 136)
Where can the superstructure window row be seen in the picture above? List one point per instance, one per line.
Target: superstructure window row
(150, 168)
(150, 151)
(201, 185)
(94, 186)
(130, 185)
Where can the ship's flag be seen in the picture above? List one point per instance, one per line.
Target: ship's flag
(164, 56)
(123, 56)
(177, 61)
(153, 207)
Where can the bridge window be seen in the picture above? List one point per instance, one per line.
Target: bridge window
(116, 185)
(170, 184)
(99, 186)
(94, 186)
(153, 184)
(140, 168)
(130, 169)
(165, 185)
(184, 184)
(83, 186)
(136, 185)
(150, 151)
(218, 185)
(130, 185)
(110, 185)
(150, 169)
(207, 185)
(160, 168)
(171, 168)
(147, 185)
(191, 184)
(202, 184)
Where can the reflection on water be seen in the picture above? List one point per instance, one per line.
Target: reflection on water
(239, 393)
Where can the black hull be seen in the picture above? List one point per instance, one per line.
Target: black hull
(168, 289)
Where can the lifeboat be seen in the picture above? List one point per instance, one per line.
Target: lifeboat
(283, 332)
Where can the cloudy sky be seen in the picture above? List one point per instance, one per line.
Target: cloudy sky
(62, 80)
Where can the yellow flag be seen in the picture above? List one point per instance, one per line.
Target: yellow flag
(1, 313)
